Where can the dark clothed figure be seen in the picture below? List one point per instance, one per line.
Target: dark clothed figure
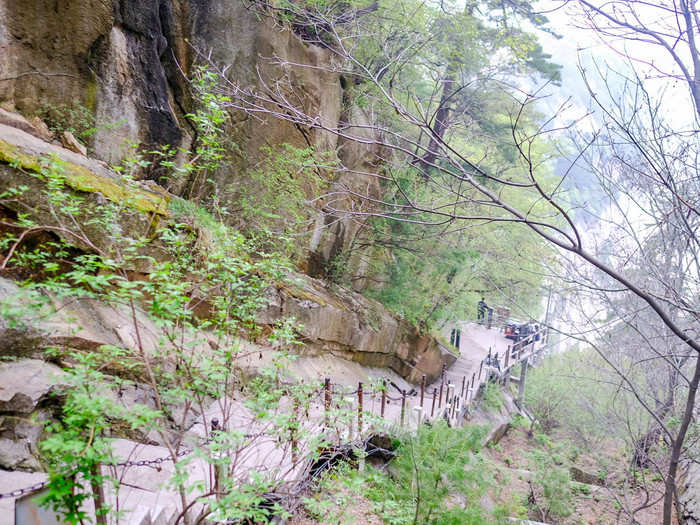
(481, 309)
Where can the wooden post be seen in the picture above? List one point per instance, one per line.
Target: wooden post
(521, 386)
(217, 468)
(327, 397)
(432, 412)
(359, 408)
(440, 396)
(98, 494)
(481, 367)
(464, 378)
(422, 390)
(403, 405)
(505, 365)
(383, 395)
(295, 442)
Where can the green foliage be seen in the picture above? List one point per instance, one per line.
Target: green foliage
(202, 294)
(440, 274)
(208, 119)
(493, 396)
(576, 391)
(211, 148)
(551, 485)
(76, 446)
(416, 52)
(275, 200)
(432, 467)
(437, 477)
(74, 118)
(332, 501)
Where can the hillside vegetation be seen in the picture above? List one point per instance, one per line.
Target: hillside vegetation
(193, 195)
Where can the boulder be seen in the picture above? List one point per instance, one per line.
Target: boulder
(23, 155)
(498, 420)
(16, 120)
(71, 143)
(19, 438)
(34, 125)
(586, 477)
(16, 455)
(41, 130)
(689, 493)
(27, 382)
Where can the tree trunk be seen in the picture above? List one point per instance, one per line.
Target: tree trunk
(98, 495)
(677, 445)
(440, 123)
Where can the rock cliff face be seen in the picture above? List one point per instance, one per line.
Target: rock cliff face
(337, 320)
(127, 61)
(349, 325)
(689, 493)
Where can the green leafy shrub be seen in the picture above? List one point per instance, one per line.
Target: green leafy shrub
(493, 396)
(431, 468)
(74, 118)
(551, 487)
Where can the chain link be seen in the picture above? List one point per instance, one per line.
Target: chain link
(158, 461)
(21, 492)
(140, 463)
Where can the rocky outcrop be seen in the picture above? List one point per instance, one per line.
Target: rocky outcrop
(21, 152)
(127, 61)
(339, 321)
(108, 56)
(350, 325)
(582, 476)
(259, 55)
(26, 383)
(689, 493)
(23, 158)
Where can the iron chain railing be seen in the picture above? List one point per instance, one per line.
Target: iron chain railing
(446, 394)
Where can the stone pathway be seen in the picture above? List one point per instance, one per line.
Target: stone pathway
(144, 491)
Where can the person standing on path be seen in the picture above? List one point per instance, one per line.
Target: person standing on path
(481, 309)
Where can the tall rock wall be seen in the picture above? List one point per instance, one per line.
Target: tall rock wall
(127, 61)
(333, 320)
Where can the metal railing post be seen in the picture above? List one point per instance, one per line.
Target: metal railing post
(383, 396)
(359, 408)
(403, 405)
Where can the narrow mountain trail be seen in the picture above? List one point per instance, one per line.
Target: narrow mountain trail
(143, 490)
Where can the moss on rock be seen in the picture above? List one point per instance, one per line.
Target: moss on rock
(82, 179)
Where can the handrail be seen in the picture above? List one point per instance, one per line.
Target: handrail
(451, 401)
